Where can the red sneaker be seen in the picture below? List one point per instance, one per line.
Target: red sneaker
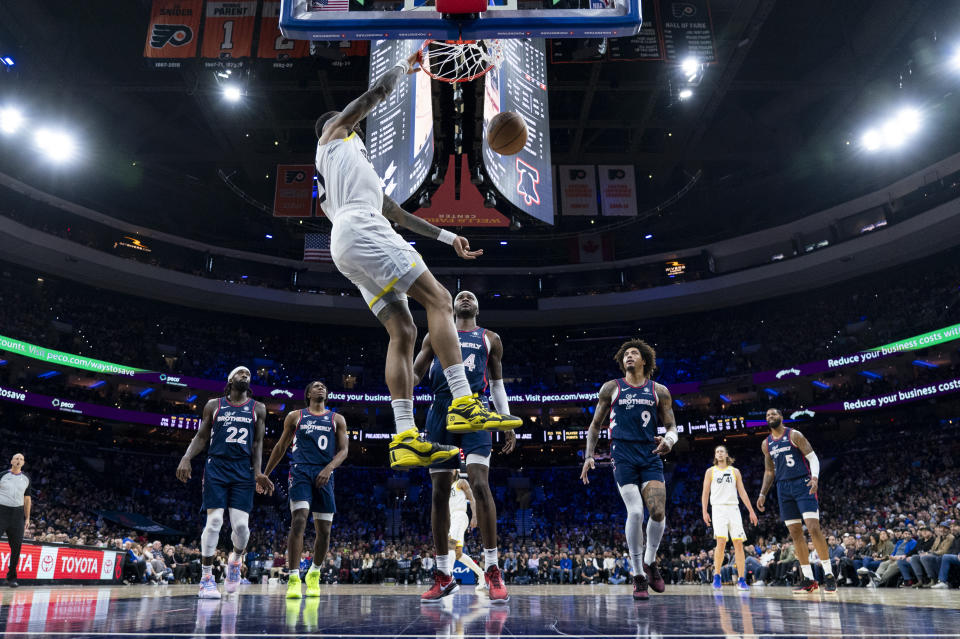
(654, 577)
(443, 586)
(640, 588)
(495, 585)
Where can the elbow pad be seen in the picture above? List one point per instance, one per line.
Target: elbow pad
(814, 464)
(498, 395)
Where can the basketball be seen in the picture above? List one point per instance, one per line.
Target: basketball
(507, 133)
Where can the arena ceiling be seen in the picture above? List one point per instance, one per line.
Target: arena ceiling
(794, 82)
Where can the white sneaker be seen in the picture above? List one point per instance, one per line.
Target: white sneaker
(208, 588)
(232, 579)
(481, 590)
(939, 586)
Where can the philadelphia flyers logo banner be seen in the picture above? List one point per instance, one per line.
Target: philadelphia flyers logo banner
(174, 29)
(228, 29)
(293, 195)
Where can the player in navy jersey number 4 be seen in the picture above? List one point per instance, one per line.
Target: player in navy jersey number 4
(319, 438)
(637, 407)
(233, 426)
(790, 461)
(482, 353)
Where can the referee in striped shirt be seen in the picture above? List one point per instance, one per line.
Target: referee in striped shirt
(14, 511)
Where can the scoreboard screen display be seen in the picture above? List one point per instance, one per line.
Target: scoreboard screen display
(399, 132)
(520, 85)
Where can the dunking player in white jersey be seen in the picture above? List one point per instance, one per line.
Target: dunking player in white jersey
(385, 268)
(722, 484)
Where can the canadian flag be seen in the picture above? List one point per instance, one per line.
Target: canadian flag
(591, 247)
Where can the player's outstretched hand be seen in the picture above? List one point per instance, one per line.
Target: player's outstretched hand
(588, 465)
(462, 246)
(753, 519)
(662, 446)
(761, 501)
(706, 518)
(413, 61)
(473, 522)
(323, 477)
(184, 471)
(813, 483)
(264, 485)
(510, 442)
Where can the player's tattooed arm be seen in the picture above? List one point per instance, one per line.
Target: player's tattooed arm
(395, 213)
(769, 472)
(259, 429)
(199, 441)
(665, 409)
(421, 363)
(604, 400)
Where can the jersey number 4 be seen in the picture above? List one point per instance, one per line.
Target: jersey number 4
(236, 435)
(471, 362)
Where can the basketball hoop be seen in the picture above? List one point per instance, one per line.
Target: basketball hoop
(459, 60)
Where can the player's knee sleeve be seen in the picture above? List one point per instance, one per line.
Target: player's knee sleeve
(211, 532)
(632, 499)
(240, 522)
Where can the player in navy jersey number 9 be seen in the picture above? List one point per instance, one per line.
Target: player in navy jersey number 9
(319, 438)
(638, 407)
(790, 461)
(233, 426)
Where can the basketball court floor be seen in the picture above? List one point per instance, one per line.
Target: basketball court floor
(533, 611)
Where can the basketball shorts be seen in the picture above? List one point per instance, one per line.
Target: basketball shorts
(635, 463)
(476, 443)
(369, 253)
(795, 499)
(228, 484)
(727, 522)
(458, 526)
(302, 486)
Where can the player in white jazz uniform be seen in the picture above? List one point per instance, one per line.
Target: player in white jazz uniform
(721, 485)
(385, 268)
(460, 496)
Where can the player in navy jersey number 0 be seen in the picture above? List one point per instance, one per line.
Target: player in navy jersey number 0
(233, 426)
(319, 438)
(638, 407)
(790, 461)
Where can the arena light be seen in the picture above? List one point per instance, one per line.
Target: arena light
(871, 140)
(648, 236)
(191, 398)
(11, 120)
(771, 392)
(923, 364)
(690, 68)
(685, 94)
(96, 384)
(57, 145)
(145, 392)
(820, 384)
(503, 242)
(955, 60)
(232, 93)
(8, 61)
(268, 236)
(895, 131)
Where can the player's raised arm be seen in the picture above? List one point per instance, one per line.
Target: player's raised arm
(359, 108)
(798, 440)
(343, 446)
(665, 409)
(423, 360)
(744, 497)
(769, 472)
(498, 394)
(396, 213)
(604, 400)
(705, 495)
(200, 441)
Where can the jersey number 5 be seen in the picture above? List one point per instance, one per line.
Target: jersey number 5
(788, 459)
(236, 435)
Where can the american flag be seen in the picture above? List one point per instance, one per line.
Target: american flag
(329, 5)
(316, 247)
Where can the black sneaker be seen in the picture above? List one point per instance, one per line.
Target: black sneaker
(806, 587)
(640, 588)
(830, 584)
(654, 577)
(12, 583)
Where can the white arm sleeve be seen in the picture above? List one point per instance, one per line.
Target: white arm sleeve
(814, 465)
(498, 395)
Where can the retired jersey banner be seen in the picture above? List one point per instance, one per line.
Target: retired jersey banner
(273, 46)
(228, 29)
(174, 29)
(293, 196)
(578, 189)
(618, 190)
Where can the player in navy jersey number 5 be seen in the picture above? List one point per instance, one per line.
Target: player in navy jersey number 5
(319, 438)
(233, 426)
(790, 461)
(638, 407)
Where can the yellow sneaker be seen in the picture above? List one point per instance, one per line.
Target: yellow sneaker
(293, 587)
(313, 583)
(409, 448)
(469, 414)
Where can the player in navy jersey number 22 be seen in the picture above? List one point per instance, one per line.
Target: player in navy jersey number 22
(319, 438)
(790, 461)
(233, 426)
(638, 407)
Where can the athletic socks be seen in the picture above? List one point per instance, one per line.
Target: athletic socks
(490, 558)
(827, 568)
(807, 571)
(634, 533)
(654, 535)
(457, 380)
(403, 414)
(443, 563)
(206, 570)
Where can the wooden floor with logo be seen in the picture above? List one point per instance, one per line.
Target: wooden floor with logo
(533, 611)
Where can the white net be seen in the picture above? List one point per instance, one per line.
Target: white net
(460, 61)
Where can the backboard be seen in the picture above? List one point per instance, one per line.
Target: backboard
(419, 19)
